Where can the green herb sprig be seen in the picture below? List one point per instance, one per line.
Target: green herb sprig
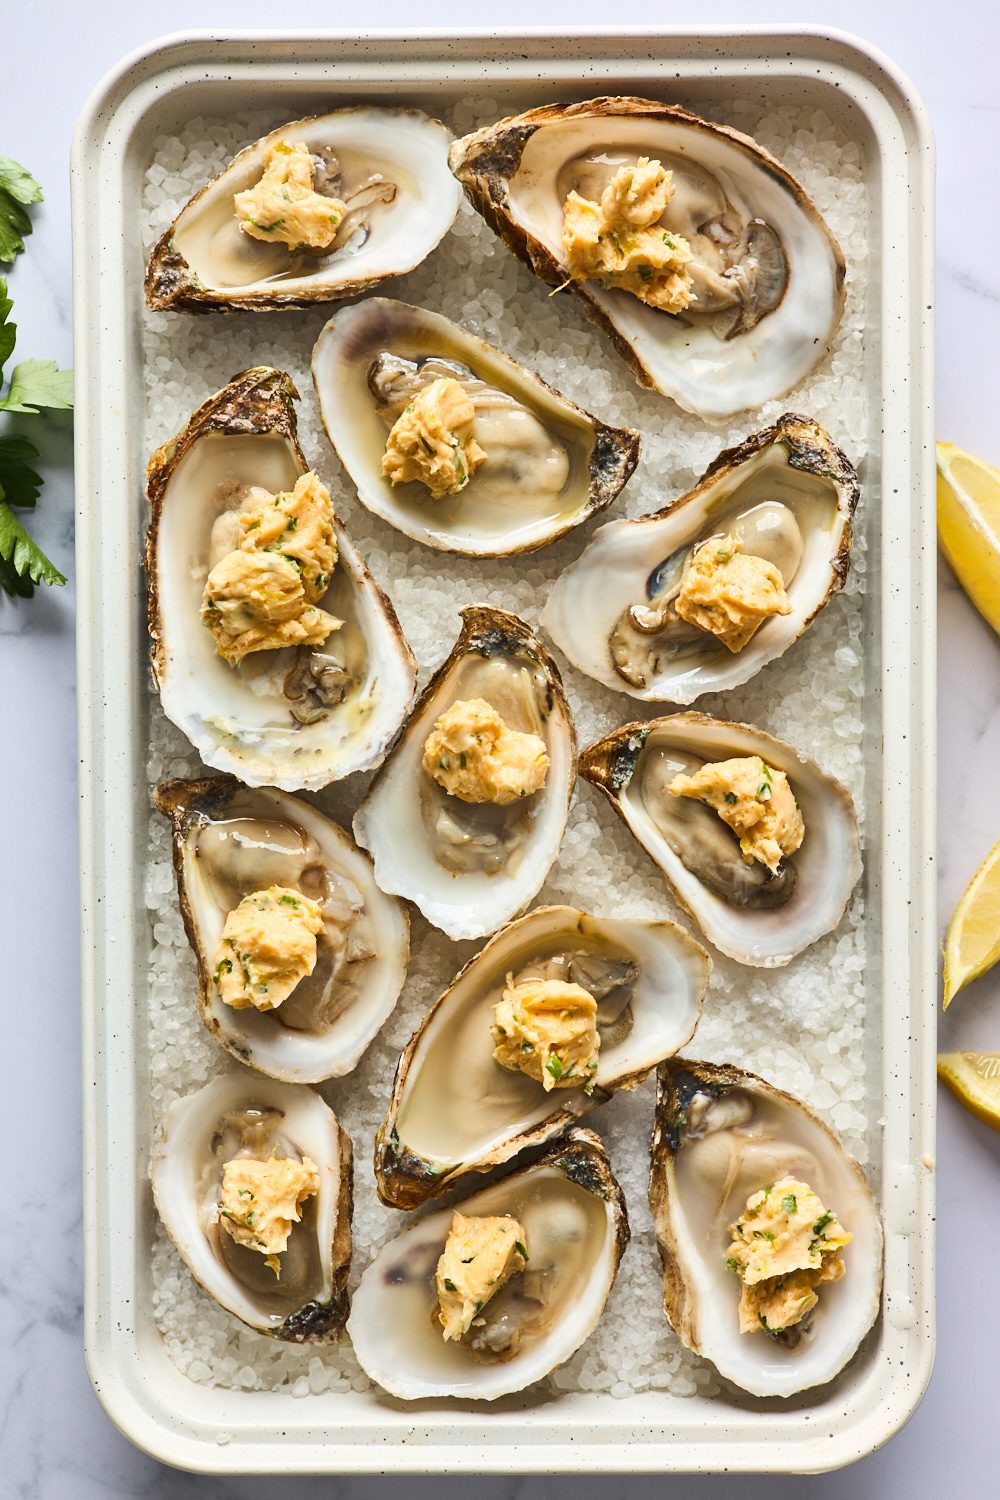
(34, 384)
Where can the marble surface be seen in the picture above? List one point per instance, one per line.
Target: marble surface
(56, 1440)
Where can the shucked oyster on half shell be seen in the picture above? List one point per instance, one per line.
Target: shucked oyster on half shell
(768, 276)
(573, 1216)
(297, 717)
(787, 493)
(230, 842)
(455, 1109)
(391, 198)
(471, 866)
(549, 465)
(240, 1117)
(721, 1136)
(756, 916)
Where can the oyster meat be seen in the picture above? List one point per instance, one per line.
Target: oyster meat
(546, 464)
(472, 859)
(722, 1140)
(626, 612)
(230, 843)
(757, 912)
(260, 1130)
(319, 209)
(291, 716)
(752, 280)
(571, 1213)
(455, 1109)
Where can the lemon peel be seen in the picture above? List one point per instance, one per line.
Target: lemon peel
(974, 1079)
(968, 518)
(973, 942)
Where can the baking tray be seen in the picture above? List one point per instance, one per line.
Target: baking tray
(155, 91)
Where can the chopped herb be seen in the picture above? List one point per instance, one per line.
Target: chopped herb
(408, 406)
(288, 901)
(267, 228)
(227, 1213)
(732, 798)
(469, 1261)
(426, 445)
(250, 1217)
(555, 1067)
(224, 965)
(732, 1264)
(764, 1234)
(527, 1047)
(739, 1230)
(763, 792)
(670, 242)
(519, 1245)
(822, 1222)
(293, 524)
(461, 760)
(245, 1193)
(450, 1286)
(789, 1203)
(645, 272)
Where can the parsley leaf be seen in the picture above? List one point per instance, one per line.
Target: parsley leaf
(23, 556)
(17, 187)
(19, 483)
(38, 382)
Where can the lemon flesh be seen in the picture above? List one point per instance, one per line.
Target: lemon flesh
(973, 942)
(968, 517)
(974, 1079)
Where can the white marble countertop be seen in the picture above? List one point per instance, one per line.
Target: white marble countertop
(56, 1439)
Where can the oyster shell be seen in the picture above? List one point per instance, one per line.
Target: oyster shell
(240, 1113)
(454, 1109)
(549, 465)
(764, 322)
(229, 842)
(290, 718)
(471, 867)
(788, 492)
(576, 1225)
(721, 1135)
(754, 917)
(389, 166)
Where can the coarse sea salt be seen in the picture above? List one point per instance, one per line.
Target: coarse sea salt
(802, 1027)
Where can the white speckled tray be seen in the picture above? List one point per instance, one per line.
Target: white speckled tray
(221, 1430)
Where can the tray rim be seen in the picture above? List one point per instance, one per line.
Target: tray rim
(113, 1357)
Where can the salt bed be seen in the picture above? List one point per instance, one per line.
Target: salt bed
(802, 1027)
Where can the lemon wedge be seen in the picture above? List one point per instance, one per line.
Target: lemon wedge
(974, 1079)
(968, 517)
(973, 942)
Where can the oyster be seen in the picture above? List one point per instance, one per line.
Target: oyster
(756, 916)
(293, 717)
(242, 1118)
(472, 865)
(228, 843)
(572, 1213)
(548, 464)
(766, 273)
(454, 1109)
(787, 494)
(720, 1136)
(391, 199)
